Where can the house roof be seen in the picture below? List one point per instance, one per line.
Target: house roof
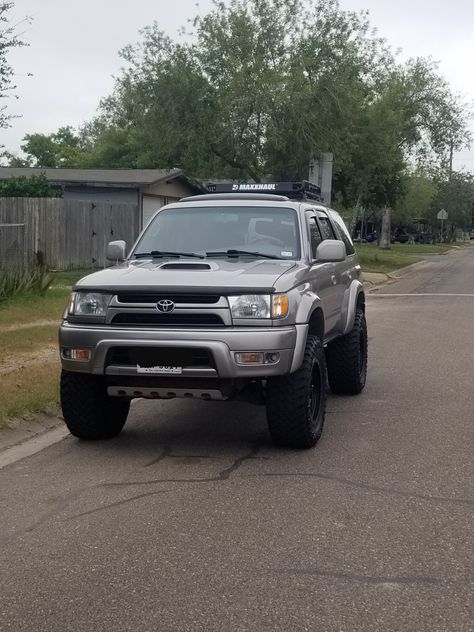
(130, 178)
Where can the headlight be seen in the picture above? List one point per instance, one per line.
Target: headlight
(89, 304)
(250, 306)
(259, 306)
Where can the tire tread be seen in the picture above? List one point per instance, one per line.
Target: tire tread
(89, 413)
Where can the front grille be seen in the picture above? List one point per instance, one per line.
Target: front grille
(144, 297)
(168, 320)
(155, 356)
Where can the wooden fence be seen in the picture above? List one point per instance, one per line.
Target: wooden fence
(62, 234)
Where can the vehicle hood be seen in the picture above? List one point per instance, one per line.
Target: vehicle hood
(188, 275)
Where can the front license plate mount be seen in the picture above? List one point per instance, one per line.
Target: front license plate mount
(160, 370)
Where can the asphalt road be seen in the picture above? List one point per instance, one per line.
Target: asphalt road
(191, 520)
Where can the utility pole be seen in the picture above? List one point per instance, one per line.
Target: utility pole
(320, 173)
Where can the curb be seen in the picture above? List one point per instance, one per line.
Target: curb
(392, 277)
(19, 431)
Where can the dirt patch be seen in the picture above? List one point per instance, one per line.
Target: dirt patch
(19, 361)
(36, 323)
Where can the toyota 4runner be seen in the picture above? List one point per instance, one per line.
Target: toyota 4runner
(250, 292)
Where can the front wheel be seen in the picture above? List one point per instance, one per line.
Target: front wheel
(88, 411)
(296, 403)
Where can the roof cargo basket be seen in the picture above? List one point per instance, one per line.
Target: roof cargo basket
(303, 190)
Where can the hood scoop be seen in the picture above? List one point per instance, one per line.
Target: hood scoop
(186, 265)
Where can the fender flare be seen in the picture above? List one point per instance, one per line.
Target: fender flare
(353, 296)
(308, 305)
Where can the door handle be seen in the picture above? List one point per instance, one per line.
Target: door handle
(333, 279)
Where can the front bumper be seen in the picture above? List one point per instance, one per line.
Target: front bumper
(221, 343)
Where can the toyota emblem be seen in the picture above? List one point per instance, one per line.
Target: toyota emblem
(165, 306)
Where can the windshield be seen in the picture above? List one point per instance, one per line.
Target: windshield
(265, 230)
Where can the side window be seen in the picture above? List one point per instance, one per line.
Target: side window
(327, 231)
(316, 238)
(344, 234)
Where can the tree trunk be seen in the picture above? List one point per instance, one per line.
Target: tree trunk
(386, 230)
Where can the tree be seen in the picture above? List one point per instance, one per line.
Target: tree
(264, 86)
(64, 148)
(417, 201)
(8, 40)
(456, 196)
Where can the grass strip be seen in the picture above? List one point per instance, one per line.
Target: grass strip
(31, 384)
(372, 259)
(24, 340)
(29, 390)
(28, 307)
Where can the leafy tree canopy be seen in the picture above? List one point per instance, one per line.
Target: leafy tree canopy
(257, 89)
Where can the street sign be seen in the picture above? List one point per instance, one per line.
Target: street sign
(442, 215)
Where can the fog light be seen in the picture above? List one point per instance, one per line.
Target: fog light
(80, 355)
(250, 358)
(272, 358)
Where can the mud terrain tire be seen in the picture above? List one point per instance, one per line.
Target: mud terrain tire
(347, 359)
(88, 411)
(296, 403)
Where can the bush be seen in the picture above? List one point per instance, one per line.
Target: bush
(32, 187)
(32, 280)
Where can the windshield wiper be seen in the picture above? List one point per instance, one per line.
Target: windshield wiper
(164, 253)
(236, 253)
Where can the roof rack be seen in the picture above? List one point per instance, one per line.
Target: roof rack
(303, 190)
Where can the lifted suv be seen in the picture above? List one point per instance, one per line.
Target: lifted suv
(251, 292)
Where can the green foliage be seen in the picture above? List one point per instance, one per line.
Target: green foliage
(65, 148)
(32, 280)
(420, 191)
(456, 196)
(261, 87)
(32, 186)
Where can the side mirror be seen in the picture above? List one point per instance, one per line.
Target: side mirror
(330, 250)
(116, 250)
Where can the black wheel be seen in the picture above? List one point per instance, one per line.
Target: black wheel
(296, 403)
(88, 411)
(347, 359)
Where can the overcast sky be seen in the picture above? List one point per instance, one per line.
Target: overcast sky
(73, 52)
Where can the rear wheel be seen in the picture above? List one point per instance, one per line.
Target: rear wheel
(296, 403)
(347, 359)
(88, 411)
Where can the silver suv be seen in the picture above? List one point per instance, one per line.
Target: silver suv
(251, 292)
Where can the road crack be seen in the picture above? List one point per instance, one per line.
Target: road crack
(115, 504)
(366, 486)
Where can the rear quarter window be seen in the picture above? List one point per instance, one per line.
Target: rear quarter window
(343, 233)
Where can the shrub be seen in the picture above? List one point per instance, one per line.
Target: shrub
(33, 186)
(32, 280)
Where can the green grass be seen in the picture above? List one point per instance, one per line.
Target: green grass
(28, 390)
(416, 249)
(17, 341)
(28, 308)
(32, 387)
(373, 259)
